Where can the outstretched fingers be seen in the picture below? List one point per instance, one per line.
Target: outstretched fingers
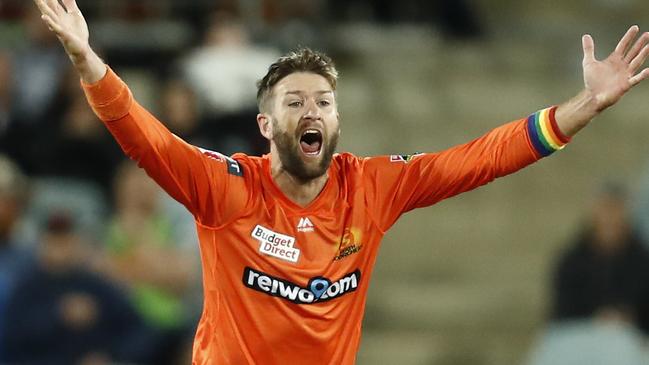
(46, 9)
(637, 47)
(54, 26)
(642, 75)
(639, 60)
(624, 43)
(56, 6)
(71, 6)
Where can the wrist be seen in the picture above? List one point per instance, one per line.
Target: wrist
(591, 104)
(90, 67)
(576, 113)
(80, 57)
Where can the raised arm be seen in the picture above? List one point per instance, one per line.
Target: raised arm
(606, 81)
(401, 183)
(203, 181)
(69, 25)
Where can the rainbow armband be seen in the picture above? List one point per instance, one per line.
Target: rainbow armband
(545, 135)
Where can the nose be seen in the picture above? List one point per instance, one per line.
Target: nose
(312, 111)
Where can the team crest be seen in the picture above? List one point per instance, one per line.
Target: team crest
(349, 243)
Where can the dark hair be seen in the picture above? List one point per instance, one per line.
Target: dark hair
(300, 60)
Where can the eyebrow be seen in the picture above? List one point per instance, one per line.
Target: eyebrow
(299, 92)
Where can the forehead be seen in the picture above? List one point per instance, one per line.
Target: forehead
(302, 82)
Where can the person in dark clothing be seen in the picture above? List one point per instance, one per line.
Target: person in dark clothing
(605, 274)
(15, 257)
(79, 148)
(62, 313)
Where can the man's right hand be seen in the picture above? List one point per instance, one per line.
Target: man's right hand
(67, 22)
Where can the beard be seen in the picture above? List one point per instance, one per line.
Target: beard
(288, 149)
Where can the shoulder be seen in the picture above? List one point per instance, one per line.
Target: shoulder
(248, 165)
(247, 159)
(346, 158)
(347, 163)
(235, 164)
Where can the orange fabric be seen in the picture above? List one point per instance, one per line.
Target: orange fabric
(285, 284)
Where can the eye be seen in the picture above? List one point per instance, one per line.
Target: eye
(324, 103)
(295, 104)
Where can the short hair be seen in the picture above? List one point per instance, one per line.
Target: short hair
(300, 60)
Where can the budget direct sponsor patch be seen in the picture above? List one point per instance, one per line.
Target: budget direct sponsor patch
(275, 244)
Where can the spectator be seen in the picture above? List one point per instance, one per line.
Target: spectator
(604, 275)
(224, 70)
(80, 148)
(221, 73)
(15, 259)
(600, 293)
(140, 246)
(180, 109)
(38, 70)
(62, 313)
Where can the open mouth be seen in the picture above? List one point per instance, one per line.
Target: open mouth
(311, 142)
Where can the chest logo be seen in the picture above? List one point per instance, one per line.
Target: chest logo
(276, 244)
(319, 289)
(350, 243)
(305, 225)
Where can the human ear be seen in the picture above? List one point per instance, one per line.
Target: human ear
(265, 125)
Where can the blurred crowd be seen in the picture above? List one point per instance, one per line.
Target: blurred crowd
(97, 266)
(599, 311)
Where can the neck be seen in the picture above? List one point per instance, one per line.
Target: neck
(300, 192)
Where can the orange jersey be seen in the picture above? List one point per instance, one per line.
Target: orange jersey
(285, 284)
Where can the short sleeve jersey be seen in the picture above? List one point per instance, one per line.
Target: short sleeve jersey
(286, 284)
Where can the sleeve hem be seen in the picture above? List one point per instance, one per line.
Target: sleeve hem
(109, 97)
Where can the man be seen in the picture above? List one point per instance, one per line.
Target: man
(61, 312)
(604, 274)
(288, 240)
(600, 291)
(15, 257)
